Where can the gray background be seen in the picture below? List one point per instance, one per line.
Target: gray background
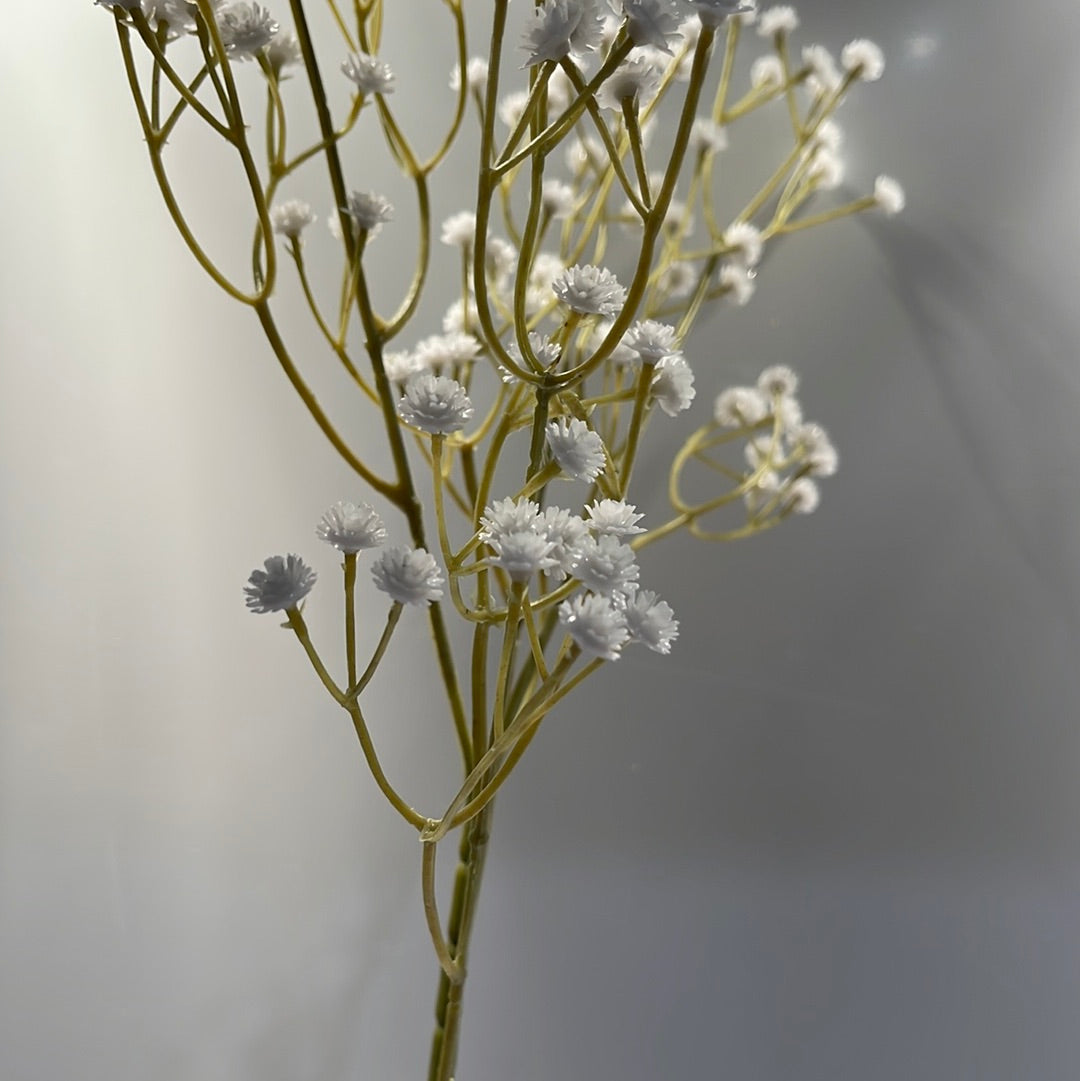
(836, 835)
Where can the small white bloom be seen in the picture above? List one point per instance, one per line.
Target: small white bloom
(766, 71)
(506, 516)
(285, 582)
(777, 381)
(678, 280)
(745, 240)
(408, 575)
(826, 168)
(369, 210)
(652, 22)
(512, 107)
(557, 199)
(605, 565)
(595, 624)
(824, 75)
(400, 366)
(736, 280)
(283, 52)
(633, 80)
(291, 218)
(802, 496)
(566, 532)
(589, 290)
(459, 230)
(561, 27)
(739, 407)
(706, 136)
(459, 319)
(864, 59)
(811, 444)
(476, 73)
(370, 74)
(673, 385)
(579, 451)
(777, 20)
(441, 350)
(435, 404)
(351, 527)
(245, 29)
(651, 341)
(889, 195)
(613, 516)
(523, 554)
(544, 349)
(651, 621)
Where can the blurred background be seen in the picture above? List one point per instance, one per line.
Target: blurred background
(835, 836)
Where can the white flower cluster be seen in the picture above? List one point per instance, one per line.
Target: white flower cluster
(784, 453)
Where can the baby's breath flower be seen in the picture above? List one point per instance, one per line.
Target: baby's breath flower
(777, 20)
(459, 230)
(605, 565)
(714, 12)
(673, 385)
(439, 350)
(506, 516)
(544, 349)
(889, 195)
(561, 27)
(864, 59)
(370, 74)
(811, 445)
(778, 380)
(595, 624)
(736, 280)
(557, 199)
(245, 29)
(400, 366)
(523, 554)
(285, 582)
(369, 210)
(739, 407)
(512, 106)
(766, 71)
(589, 290)
(476, 73)
(633, 80)
(351, 527)
(651, 621)
(408, 575)
(652, 22)
(707, 136)
(579, 451)
(678, 280)
(566, 532)
(283, 52)
(613, 516)
(651, 341)
(746, 241)
(291, 218)
(802, 496)
(460, 319)
(824, 75)
(826, 168)
(435, 404)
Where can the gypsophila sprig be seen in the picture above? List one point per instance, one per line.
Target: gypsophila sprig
(538, 336)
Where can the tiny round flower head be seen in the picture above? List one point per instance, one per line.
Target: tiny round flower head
(614, 516)
(459, 230)
(285, 582)
(707, 136)
(673, 385)
(579, 451)
(824, 75)
(506, 516)
(291, 218)
(777, 20)
(651, 621)
(746, 241)
(371, 75)
(439, 350)
(633, 80)
(605, 565)
(561, 27)
(802, 496)
(460, 319)
(476, 73)
(245, 29)
(651, 341)
(812, 445)
(652, 22)
(827, 169)
(766, 71)
(737, 283)
(512, 106)
(283, 52)
(523, 554)
(408, 575)
(401, 366)
(351, 527)
(544, 349)
(778, 381)
(435, 404)
(739, 407)
(557, 199)
(678, 280)
(566, 532)
(589, 290)
(889, 195)
(369, 210)
(864, 59)
(595, 624)
(714, 12)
